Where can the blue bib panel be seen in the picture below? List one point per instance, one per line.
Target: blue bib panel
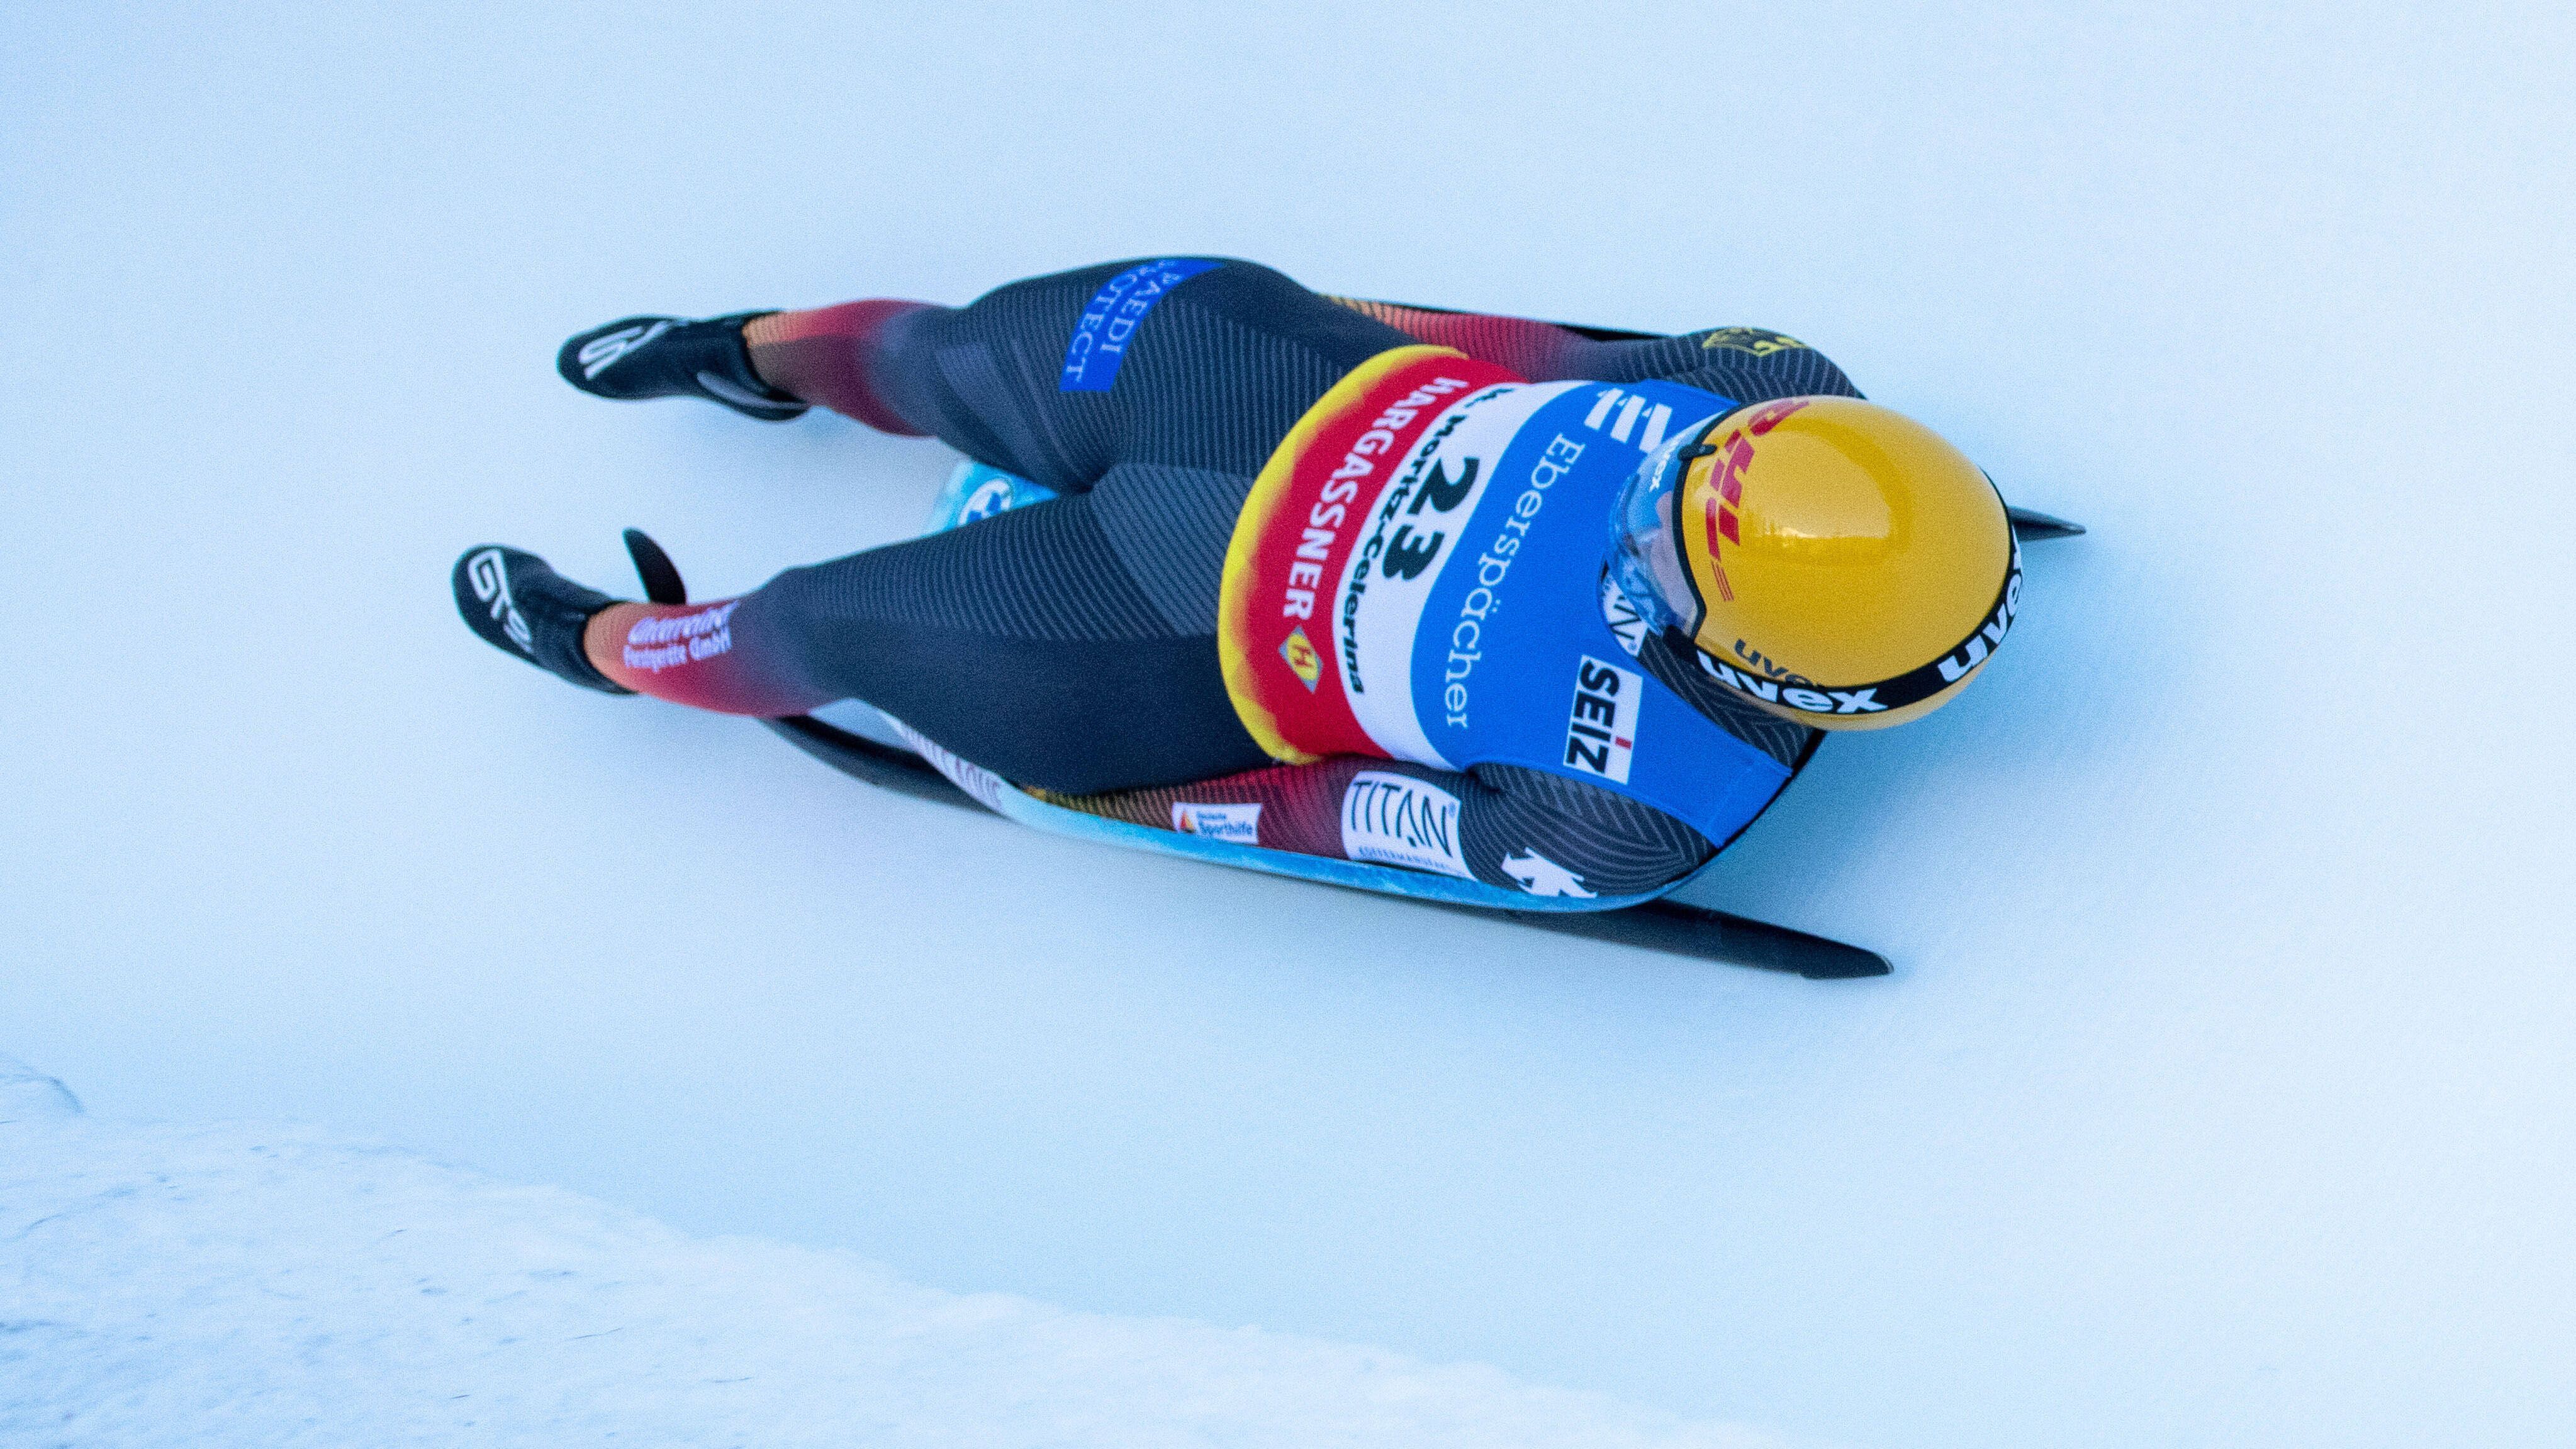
(1514, 659)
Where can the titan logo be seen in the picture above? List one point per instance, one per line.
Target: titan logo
(1394, 819)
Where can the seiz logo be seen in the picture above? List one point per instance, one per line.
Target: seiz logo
(1601, 731)
(1396, 819)
(599, 352)
(1622, 422)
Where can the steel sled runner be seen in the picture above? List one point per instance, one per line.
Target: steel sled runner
(1655, 924)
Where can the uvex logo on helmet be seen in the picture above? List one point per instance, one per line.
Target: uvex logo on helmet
(1734, 457)
(1851, 548)
(1912, 687)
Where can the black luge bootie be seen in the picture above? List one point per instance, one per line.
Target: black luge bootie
(521, 606)
(641, 357)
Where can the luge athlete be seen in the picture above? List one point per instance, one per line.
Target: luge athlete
(1553, 610)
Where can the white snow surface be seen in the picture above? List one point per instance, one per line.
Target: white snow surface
(2223, 1093)
(238, 1285)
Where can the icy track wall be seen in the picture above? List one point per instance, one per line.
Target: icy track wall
(235, 1285)
(2223, 1092)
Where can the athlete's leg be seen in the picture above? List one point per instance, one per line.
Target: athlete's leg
(1188, 362)
(1173, 401)
(1021, 643)
(826, 355)
(1070, 645)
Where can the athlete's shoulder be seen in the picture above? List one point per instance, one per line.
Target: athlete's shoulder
(1748, 364)
(1686, 672)
(1751, 342)
(1552, 835)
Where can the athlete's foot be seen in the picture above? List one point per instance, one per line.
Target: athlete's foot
(641, 357)
(521, 606)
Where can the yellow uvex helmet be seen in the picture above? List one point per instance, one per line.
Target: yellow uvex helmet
(1836, 563)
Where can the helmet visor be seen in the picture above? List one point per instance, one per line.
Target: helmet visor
(1645, 551)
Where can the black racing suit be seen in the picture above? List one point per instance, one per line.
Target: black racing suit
(1071, 646)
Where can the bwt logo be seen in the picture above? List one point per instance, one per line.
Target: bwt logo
(1601, 730)
(991, 497)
